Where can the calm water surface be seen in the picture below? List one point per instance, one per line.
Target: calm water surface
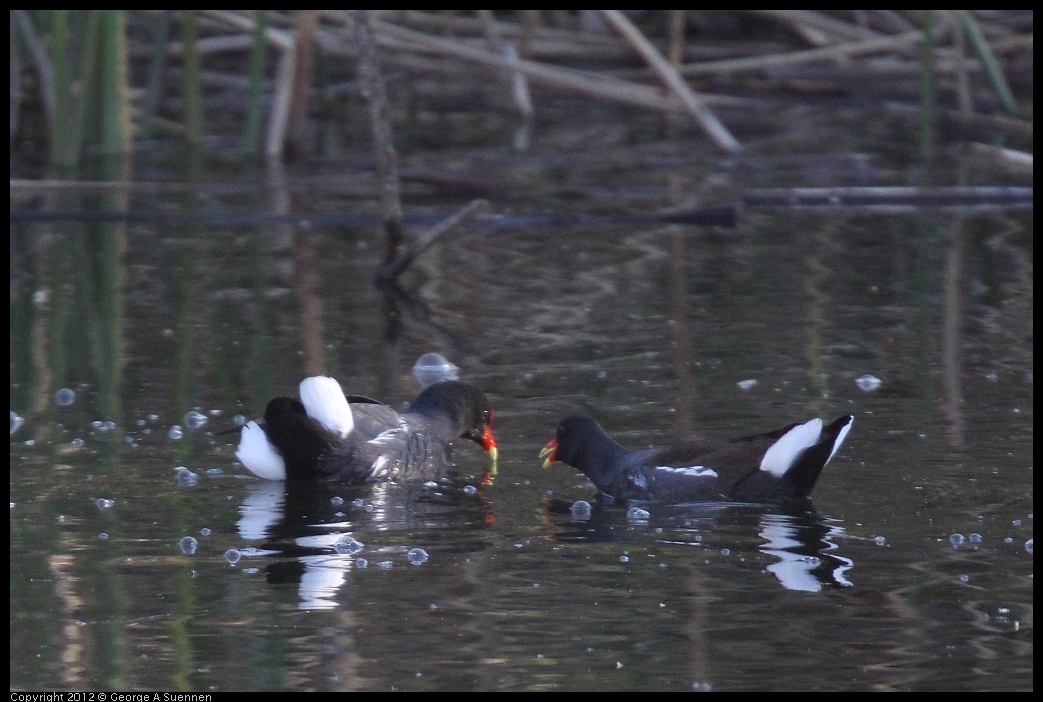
(912, 572)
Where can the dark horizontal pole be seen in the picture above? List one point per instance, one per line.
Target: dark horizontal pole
(723, 216)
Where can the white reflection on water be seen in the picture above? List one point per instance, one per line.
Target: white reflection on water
(796, 569)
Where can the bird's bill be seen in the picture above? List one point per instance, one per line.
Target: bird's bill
(548, 451)
(488, 442)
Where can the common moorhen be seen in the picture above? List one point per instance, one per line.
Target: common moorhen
(322, 436)
(772, 467)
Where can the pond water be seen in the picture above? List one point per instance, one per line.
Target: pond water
(913, 570)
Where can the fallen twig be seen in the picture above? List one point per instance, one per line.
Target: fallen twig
(393, 269)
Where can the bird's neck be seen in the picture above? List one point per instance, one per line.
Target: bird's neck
(600, 458)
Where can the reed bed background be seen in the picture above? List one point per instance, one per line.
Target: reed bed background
(267, 83)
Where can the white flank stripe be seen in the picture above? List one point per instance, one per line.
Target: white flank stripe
(324, 402)
(379, 467)
(388, 435)
(840, 439)
(779, 458)
(698, 471)
(258, 455)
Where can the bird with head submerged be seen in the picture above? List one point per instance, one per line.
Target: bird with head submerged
(322, 436)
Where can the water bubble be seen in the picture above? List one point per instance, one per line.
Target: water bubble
(193, 419)
(104, 503)
(386, 565)
(1016, 522)
(239, 420)
(867, 382)
(638, 514)
(361, 563)
(188, 545)
(470, 489)
(746, 384)
(624, 558)
(581, 510)
(348, 545)
(185, 477)
(726, 551)
(204, 531)
(417, 556)
(233, 555)
(1028, 545)
(16, 421)
(433, 368)
(601, 375)
(956, 540)
(974, 538)
(336, 500)
(103, 536)
(879, 540)
(65, 397)
(358, 502)
(175, 433)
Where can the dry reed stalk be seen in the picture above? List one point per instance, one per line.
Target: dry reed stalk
(303, 76)
(836, 52)
(669, 75)
(517, 87)
(374, 92)
(584, 82)
(816, 28)
(278, 38)
(280, 104)
(1009, 158)
(879, 198)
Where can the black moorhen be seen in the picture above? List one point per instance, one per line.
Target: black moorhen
(317, 437)
(773, 467)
